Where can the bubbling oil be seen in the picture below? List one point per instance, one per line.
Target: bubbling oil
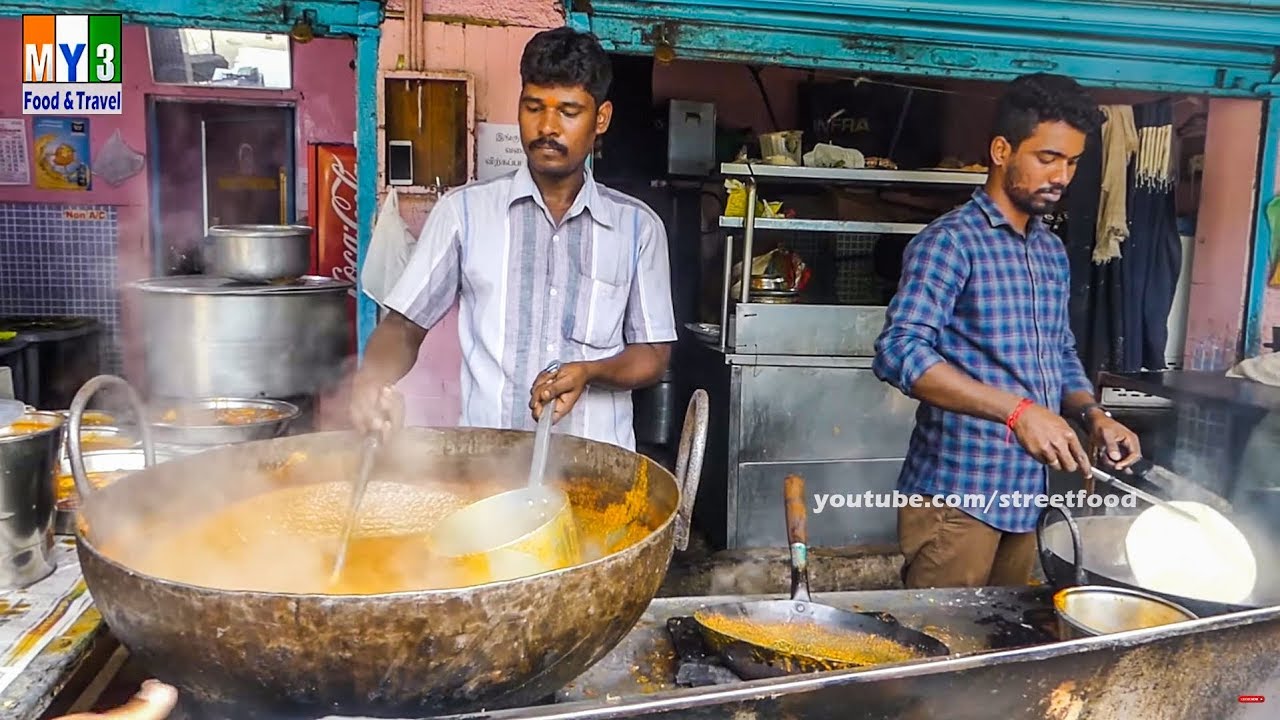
(286, 540)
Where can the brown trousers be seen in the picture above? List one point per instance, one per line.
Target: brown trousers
(947, 547)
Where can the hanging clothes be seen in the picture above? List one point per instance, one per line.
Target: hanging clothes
(1096, 290)
(1152, 259)
(1119, 145)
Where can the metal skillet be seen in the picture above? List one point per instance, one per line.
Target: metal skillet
(775, 626)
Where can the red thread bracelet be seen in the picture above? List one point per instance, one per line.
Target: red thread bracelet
(1012, 420)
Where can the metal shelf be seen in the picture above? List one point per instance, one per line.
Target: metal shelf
(827, 226)
(862, 175)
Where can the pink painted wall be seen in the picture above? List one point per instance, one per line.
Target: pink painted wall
(491, 54)
(1220, 274)
(325, 100)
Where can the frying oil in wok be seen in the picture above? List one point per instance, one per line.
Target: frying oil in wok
(810, 639)
(285, 540)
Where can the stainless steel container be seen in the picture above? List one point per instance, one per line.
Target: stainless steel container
(97, 438)
(258, 253)
(101, 461)
(28, 466)
(1091, 610)
(213, 337)
(191, 424)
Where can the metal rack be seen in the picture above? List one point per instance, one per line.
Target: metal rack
(753, 173)
(794, 389)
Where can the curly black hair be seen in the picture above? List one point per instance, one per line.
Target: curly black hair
(1043, 97)
(567, 58)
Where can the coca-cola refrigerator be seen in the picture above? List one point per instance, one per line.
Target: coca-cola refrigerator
(332, 213)
(332, 209)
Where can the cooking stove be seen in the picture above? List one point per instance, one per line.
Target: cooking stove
(665, 651)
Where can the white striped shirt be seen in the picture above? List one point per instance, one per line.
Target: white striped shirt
(531, 292)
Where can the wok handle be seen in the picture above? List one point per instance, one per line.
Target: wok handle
(1142, 468)
(693, 445)
(76, 419)
(797, 536)
(1046, 555)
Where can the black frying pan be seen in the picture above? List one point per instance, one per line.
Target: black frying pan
(766, 638)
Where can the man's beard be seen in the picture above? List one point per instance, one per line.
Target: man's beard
(1031, 202)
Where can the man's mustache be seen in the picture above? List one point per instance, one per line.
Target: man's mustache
(1052, 190)
(549, 144)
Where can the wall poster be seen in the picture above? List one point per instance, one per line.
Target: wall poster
(61, 150)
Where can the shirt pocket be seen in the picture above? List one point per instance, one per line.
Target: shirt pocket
(604, 278)
(598, 323)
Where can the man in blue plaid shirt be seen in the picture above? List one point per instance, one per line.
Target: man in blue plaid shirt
(978, 333)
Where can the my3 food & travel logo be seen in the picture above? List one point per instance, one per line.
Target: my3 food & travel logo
(71, 65)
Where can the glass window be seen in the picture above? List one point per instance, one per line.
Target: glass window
(228, 58)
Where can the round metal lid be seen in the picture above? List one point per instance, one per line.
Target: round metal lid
(207, 285)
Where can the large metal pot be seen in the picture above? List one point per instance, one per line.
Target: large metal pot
(406, 654)
(213, 337)
(1091, 550)
(258, 253)
(28, 464)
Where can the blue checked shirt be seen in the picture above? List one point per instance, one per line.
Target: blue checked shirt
(977, 294)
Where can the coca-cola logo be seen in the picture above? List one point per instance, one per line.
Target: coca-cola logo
(344, 207)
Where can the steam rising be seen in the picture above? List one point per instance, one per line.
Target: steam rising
(268, 516)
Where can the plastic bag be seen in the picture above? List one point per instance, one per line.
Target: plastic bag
(117, 162)
(389, 250)
(736, 204)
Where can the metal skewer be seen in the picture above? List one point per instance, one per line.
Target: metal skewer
(1141, 494)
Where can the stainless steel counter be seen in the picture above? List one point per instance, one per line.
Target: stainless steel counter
(797, 395)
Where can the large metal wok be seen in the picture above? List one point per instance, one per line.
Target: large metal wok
(1091, 550)
(405, 654)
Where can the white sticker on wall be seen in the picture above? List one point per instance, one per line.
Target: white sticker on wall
(498, 150)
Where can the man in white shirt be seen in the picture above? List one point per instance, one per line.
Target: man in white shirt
(548, 265)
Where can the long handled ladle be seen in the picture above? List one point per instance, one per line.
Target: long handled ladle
(542, 436)
(369, 450)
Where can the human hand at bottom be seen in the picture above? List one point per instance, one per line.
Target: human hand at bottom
(565, 386)
(153, 702)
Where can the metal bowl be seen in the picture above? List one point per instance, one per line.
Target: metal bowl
(1092, 610)
(192, 424)
(92, 418)
(773, 282)
(258, 253)
(97, 438)
(102, 461)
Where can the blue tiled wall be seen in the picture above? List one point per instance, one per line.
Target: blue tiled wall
(61, 260)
